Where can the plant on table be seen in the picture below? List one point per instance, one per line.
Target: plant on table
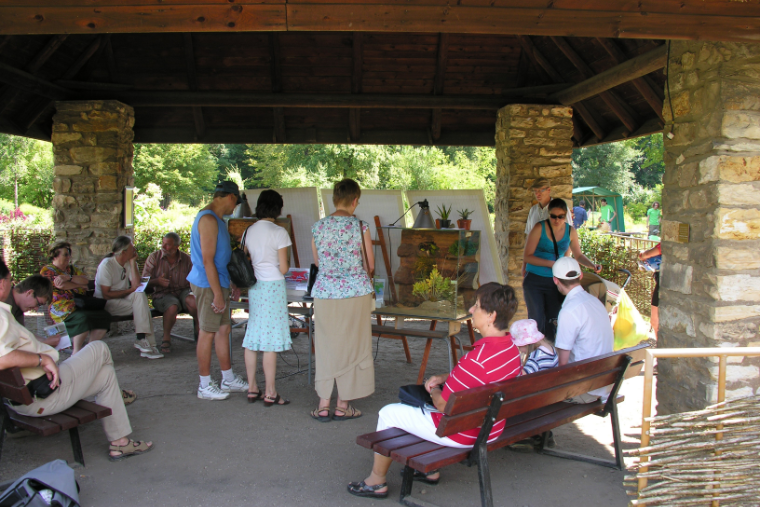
(464, 221)
(434, 288)
(444, 214)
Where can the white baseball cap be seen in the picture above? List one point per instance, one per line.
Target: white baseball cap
(566, 268)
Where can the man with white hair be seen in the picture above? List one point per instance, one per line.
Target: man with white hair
(583, 326)
(168, 269)
(116, 281)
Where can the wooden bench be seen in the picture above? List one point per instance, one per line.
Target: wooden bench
(531, 404)
(12, 389)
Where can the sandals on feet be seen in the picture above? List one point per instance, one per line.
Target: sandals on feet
(269, 401)
(348, 413)
(133, 448)
(315, 414)
(128, 396)
(166, 347)
(363, 490)
(254, 397)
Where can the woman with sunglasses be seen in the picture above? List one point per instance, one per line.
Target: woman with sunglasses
(69, 281)
(547, 242)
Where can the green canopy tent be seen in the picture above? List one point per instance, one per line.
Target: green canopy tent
(594, 195)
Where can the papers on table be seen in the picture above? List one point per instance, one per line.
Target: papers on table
(143, 284)
(297, 279)
(59, 329)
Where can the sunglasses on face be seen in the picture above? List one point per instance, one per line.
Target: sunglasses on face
(557, 217)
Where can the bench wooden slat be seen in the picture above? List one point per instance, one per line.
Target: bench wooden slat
(370, 439)
(378, 329)
(465, 401)
(387, 446)
(440, 458)
(36, 425)
(405, 454)
(99, 411)
(64, 421)
(81, 415)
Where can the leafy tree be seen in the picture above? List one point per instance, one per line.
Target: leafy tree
(605, 165)
(649, 167)
(26, 170)
(184, 172)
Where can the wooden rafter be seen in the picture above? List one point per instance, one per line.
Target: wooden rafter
(440, 72)
(644, 88)
(192, 82)
(549, 71)
(612, 101)
(34, 111)
(278, 135)
(32, 84)
(522, 69)
(354, 114)
(5, 39)
(33, 67)
(113, 70)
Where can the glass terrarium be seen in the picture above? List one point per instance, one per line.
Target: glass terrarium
(426, 273)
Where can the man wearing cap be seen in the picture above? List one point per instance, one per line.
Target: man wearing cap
(210, 252)
(540, 211)
(583, 326)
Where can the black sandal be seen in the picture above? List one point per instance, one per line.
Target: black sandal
(363, 490)
(166, 347)
(268, 401)
(254, 397)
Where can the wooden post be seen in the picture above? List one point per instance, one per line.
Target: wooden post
(296, 262)
(386, 258)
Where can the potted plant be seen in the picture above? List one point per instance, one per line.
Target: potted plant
(444, 213)
(464, 221)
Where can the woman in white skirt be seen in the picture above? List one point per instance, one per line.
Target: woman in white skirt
(268, 330)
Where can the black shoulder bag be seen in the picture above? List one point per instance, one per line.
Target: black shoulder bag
(240, 267)
(85, 301)
(415, 395)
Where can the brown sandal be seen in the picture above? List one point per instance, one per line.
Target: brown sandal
(348, 413)
(128, 396)
(269, 401)
(321, 418)
(133, 448)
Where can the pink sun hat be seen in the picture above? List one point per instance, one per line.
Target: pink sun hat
(525, 332)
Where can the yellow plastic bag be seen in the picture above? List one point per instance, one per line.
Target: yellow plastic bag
(629, 327)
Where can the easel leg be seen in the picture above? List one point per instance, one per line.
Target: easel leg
(425, 356)
(471, 331)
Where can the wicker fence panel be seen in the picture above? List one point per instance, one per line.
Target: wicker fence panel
(25, 250)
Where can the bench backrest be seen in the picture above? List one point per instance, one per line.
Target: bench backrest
(466, 409)
(12, 386)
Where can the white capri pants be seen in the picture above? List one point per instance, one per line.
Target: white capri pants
(412, 420)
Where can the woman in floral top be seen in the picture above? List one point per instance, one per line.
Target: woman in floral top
(343, 296)
(68, 281)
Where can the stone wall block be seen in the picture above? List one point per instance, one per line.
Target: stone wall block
(82, 187)
(742, 287)
(744, 194)
(678, 278)
(67, 170)
(90, 155)
(738, 223)
(566, 112)
(104, 168)
(741, 124)
(738, 257)
(61, 185)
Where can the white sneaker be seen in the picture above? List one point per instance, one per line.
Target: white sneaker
(212, 392)
(152, 353)
(143, 345)
(238, 385)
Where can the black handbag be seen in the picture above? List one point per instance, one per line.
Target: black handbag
(313, 272)
(89, 303)
(415, 395)
(240, 267)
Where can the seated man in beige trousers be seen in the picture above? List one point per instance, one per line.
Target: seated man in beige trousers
(116, 281)
(56, 388)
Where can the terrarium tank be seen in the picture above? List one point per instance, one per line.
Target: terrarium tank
(427, 273)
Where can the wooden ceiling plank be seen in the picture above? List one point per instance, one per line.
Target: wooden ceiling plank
(33, 112)
(440, 72)
(192, 82)
(589, 119)
(275, 61)
(641, 85)
(113, 70)
(5, 40)
(522, 69)
(31, 84)
(354, 114)
(612, 102)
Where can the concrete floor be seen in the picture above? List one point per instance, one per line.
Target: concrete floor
(235, 453)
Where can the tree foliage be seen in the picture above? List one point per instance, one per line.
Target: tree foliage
(30, 163)
(184, 172)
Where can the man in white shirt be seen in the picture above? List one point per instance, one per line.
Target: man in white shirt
(583, 326)
(540, 211)
(116, 281)
(56, 388)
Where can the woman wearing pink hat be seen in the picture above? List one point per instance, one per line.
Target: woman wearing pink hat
(539, 352)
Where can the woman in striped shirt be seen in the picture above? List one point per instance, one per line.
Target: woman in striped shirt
(494, 358)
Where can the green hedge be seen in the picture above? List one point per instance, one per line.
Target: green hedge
(25, 248)
(148, 240)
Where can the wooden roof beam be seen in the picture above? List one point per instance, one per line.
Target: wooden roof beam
(550, 73)
(612, 101)
(440, 71)
(5, 40)
(192, 83)
(33, 67)
(32, 84)
(39, 107)
(626, 71)
(644, 88)
(354, 114)
(278, 135)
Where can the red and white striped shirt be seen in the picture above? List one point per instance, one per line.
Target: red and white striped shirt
(494, 359)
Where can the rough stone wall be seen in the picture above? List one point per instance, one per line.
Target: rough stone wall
(92, 146)
(710, 286)
(532, 141)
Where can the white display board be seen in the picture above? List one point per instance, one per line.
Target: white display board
(388, 205)
(475, 199)
(302, 204)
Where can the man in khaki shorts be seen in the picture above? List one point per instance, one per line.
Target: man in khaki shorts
(168, 269)
(210, 252)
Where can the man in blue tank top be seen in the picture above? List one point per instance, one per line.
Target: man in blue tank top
(210, 252)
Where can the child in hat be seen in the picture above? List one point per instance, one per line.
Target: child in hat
(540, 353)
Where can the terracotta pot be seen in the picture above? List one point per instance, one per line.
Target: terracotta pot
(464, 224)
(437, 223)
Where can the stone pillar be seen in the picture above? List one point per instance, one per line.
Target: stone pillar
(532, 141)
(92, 146)
(710, 285)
